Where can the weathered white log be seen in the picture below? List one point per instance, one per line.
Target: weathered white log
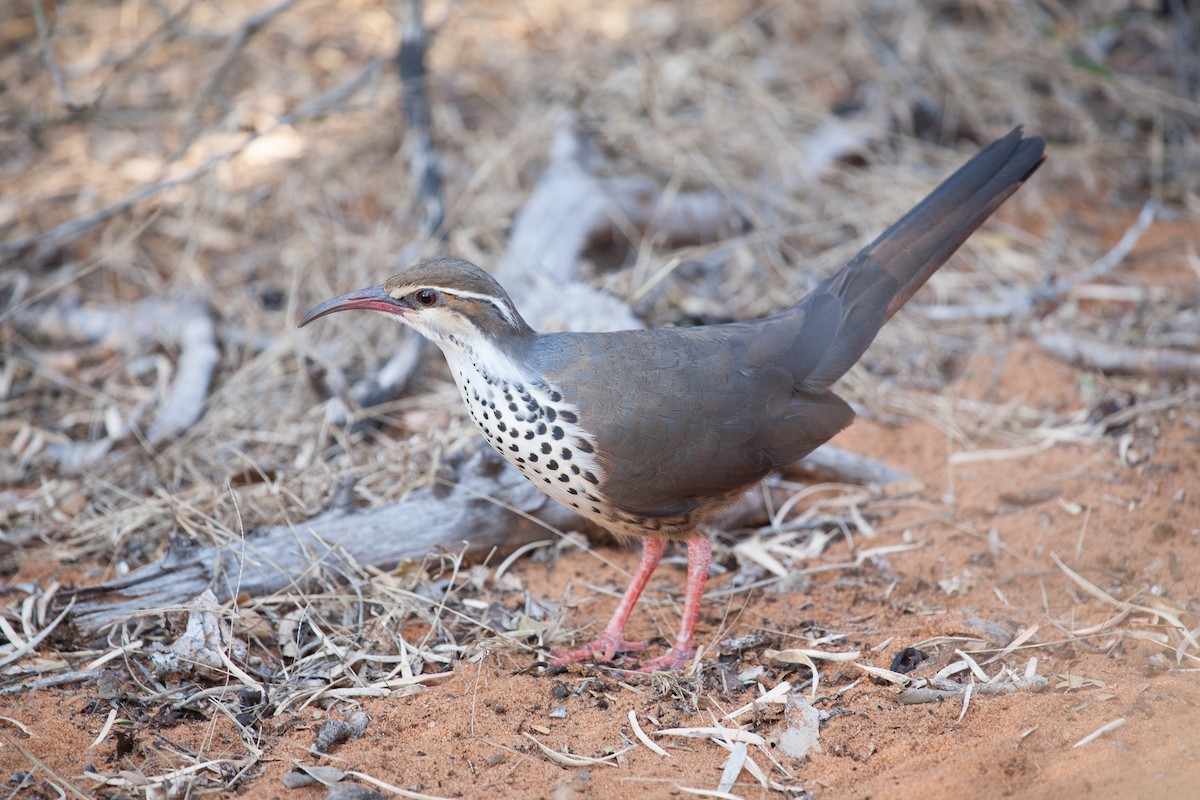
(1093, 354)
(835, 464)
(483, 505)
(182, 321)
(569, 208)
(468, 515)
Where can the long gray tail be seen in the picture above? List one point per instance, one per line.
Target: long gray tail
(886, 273)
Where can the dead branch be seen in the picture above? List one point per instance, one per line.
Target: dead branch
(940, 689)
(43, 29)
(198, 358)
(335, 97)
(1113, 258)
(166, 29)
(66, 231)
(233, 48)
(835, 464)
(388, 383)
(183, 322)
(1010, 305)
(1113, 358)
(1021, 303)
(422, 154)
(569, 208)
(539, 265)
(459, 513)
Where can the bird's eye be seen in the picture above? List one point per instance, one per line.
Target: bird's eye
(426, 297)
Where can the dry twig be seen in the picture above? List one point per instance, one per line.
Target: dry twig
(234, 46)
(1155, 362)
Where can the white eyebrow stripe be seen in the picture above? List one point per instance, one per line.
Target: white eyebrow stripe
(456, 292)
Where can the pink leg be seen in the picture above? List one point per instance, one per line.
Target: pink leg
(609, 643)
(699, 561)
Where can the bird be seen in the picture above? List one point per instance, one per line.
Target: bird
(650, 433)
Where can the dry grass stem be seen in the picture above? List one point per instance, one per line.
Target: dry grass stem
(1096, 734)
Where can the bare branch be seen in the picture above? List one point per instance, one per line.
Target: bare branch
(43, 29)
(1113, 258)
(66, 231)
(422, 154)
(233, 48)
(449, 515)
(569, 207)
(1112, 358)
(183, 322)
(1021, 303)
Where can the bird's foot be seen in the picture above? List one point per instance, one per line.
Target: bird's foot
(675, 660)
(606, 646)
